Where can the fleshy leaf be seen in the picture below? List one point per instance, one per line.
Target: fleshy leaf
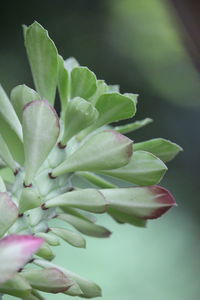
(20, 96)
(96, 180)
(7, 112)
(113, 107)
(84, 226)
(132, 126)
(50, 280)
(17, 286)
(15, 252)
(89, 288)
(142, 202)
(143, 169)
(164, 149)
(45, 252)
(73, 238)
(6, 155)
(102, 151)
(2, 185)
(101, 89)
(79, 115)
(40, 130)
(83, 83)
(8, 213)
(42, 55)
(29, 199)
(87, 199)
(51, 239)
(63, 83)
(122, 218)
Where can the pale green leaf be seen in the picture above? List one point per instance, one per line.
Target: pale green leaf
(143, 169)
(132, 126)
(17, 286)
(40, 130)
(63, 83)
(20, 96)
(79, 115)
(102, 151)
(42, 55)
(164, 149)
(6, 155)
(83, 82)
(87, 199)
(73, 238)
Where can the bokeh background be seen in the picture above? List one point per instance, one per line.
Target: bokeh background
(151, 48)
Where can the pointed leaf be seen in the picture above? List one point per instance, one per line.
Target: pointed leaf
(87, 199)
(85, 227)
(79, 115)
(164, 149)
(50, 280)
(7, 112)
(89, 288)
(17, 286)
(142, 202)
(20, 96)
(6, 155)
(40, 130)
(42, 55)
(122, 218)
(83, 82)
(8, 213)
(143, 169)
(15, 252)
(51, 239)
(73, 238)
(132, 126)
(102, 151)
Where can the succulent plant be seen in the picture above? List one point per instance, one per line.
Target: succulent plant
(68, 168)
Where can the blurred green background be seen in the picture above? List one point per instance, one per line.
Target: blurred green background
(146, 47)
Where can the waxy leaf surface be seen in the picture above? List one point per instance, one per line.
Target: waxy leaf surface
(8, 212)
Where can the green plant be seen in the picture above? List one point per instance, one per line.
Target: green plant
(64, 166)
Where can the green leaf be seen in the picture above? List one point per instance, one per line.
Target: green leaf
(8, 213)
(51, 239)
(42, 55)
(50, 280)
(8, 114)
(96, 180)
(101, 89)
(132, 126)
(63, 83)
(40, 130)
(6, 155)
(83, 82)
(141, 202)
(113, 107)
(87, 199)
(20, 96)
(85, 227)
(122, 218)
(102, 151)
(79, 115)
(45, 252)
(13, 142)
(164, 149)
(29, 199)
(17, 286)
(89, 288)
(73, 238)
(143, 169)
